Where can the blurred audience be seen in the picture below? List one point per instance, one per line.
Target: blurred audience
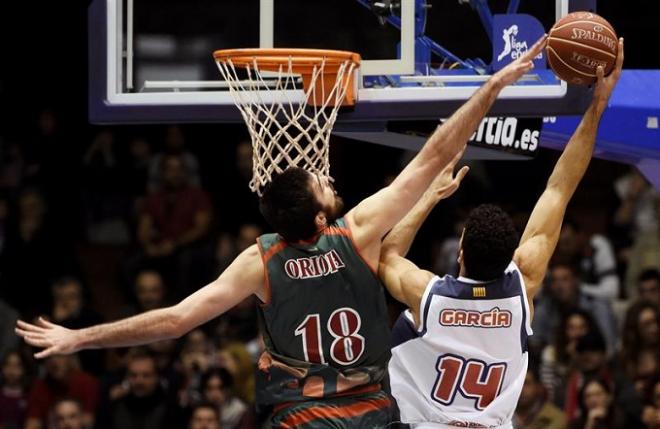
(559, 357)
(236, 359)
(648, 286)
(218, 389)
(173, 225)
(67, 413)
(63, 378)
(534, 410)
(563, 294)
(14, 383)
(175, 145)
(595, 255)
(205, 416)
(70, 309)
(140, 401)
(640, 349)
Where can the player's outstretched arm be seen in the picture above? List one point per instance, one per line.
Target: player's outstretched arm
(541, 234)
(241, 279)
(376, 215)
(402, 278)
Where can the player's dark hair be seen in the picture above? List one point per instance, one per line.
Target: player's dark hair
(289, 205)
(488, 242)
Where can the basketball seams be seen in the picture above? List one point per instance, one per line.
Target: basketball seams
(582, 21)
(568, 65)
(582, 45)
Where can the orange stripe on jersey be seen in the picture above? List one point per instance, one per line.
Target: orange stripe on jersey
(307, 415)
(337, 230)
(265, 257)
(360, 390)
(273, 250)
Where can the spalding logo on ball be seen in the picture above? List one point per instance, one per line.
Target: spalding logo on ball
(579, 43)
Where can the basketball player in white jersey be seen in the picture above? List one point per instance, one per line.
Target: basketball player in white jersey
(460, 352)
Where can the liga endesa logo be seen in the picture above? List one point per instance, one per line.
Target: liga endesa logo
(493, 318)
(315, 266)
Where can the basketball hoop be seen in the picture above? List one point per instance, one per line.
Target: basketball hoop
(289, 125)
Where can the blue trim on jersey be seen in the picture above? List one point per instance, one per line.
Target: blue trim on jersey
(403, 330)
(427, 306)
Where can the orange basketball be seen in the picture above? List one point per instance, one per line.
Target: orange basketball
(579, 43)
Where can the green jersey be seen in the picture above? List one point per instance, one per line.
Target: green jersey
(325, 325)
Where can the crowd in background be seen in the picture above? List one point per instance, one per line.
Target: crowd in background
(147, 218)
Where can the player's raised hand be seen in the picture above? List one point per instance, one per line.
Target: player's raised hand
(54, 339)
(523, 64)
(605, 84)
(445, 183)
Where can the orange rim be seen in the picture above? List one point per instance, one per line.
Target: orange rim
(302, 60)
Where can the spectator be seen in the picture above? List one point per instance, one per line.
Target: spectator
(564, 294)
(150, 292)
(174, 223)
(62, 379)
(598, 273)
(648, 286)
(140, 402)
(140, 160)
(175, 144)
(557, 358)
(229, 246)
(194, 360)
(591, 362)
(205, 416)
(639, 215)
(597, 407)
(31, 242)
(534, 411)
(651, 413)
(67, 413)
(13, 389)
(218, 386)
(8, 338)
(236, 359)
(641, 345)
(106, 203)
(69, 310)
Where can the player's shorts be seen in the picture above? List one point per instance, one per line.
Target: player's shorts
(371, 410)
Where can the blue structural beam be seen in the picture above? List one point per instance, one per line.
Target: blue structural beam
(630, 128)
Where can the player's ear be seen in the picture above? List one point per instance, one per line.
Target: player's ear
(320, 220)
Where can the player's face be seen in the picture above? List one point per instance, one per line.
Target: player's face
(327, 195)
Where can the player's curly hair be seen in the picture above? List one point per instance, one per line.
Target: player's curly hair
(488, 242)
(289, 205)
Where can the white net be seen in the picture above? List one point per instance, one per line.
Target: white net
(289, 126)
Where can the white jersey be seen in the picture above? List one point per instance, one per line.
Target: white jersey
(466, 364)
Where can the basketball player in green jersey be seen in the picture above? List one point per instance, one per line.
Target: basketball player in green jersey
(323, 309)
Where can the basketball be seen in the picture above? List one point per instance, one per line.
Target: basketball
(579, 43)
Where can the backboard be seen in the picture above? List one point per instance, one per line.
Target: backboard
(151, 61)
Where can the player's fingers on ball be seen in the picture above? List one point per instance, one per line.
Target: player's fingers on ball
(619, 58)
